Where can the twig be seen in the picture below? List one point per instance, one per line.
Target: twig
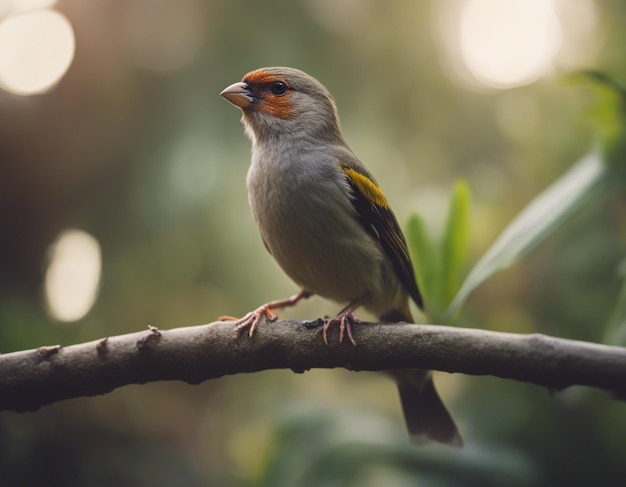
(33, 378)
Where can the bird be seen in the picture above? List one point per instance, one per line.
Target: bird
(327, 223)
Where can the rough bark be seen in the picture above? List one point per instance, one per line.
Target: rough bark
(34, 378)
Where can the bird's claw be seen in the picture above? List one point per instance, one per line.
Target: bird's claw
(252, 319)
(345, 321)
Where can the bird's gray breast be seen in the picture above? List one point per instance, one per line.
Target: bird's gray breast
(306, 218)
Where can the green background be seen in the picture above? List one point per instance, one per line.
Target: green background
(135, 146)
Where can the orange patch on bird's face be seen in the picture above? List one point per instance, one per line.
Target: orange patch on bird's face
(261, 82)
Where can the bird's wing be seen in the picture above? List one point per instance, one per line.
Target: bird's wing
(377, 218)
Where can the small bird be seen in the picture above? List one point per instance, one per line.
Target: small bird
(327, 223)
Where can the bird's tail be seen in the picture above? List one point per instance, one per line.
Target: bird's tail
(427, 418)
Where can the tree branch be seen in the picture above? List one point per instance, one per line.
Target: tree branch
(33, 378)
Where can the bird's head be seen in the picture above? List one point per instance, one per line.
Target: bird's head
(284, 103)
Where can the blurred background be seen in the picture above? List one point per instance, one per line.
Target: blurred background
(123, 203)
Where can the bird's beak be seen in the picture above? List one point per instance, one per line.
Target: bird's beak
(238, 94)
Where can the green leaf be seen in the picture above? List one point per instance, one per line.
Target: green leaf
(588, 181)
(426, 263)
(438, 267)
(455, 241)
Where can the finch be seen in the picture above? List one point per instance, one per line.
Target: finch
(327, 223)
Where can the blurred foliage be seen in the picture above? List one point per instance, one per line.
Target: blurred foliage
(135, 147)
(367, 451)
(589, 180)
(438, 267)
(616, 327)
(609, 114)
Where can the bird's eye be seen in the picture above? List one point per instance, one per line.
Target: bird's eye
(278, 88)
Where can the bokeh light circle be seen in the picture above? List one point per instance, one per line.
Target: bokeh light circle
(507, 43)
(73, 275)
(36, 49)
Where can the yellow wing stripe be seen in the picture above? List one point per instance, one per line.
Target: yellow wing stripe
(367, 187)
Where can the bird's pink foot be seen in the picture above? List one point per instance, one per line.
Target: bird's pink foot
(253, 318)
(345, 320)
